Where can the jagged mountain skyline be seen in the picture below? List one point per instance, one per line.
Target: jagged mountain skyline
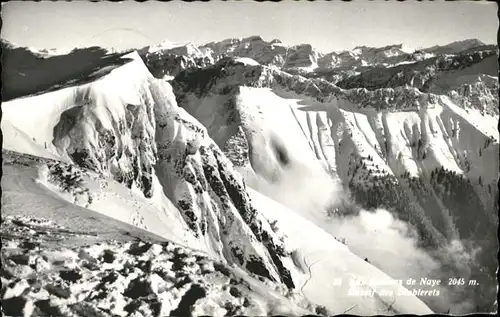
(167, 44)
(352, 24)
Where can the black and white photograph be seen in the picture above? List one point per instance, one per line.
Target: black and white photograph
(249, 158)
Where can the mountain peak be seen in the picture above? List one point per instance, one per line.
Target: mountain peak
(166, 45)
(455, 47)
(253, 38)
(475, 42)
(381, 48)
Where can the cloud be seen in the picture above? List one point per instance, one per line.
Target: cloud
(388, 243)
(391, 245)
(308, 189)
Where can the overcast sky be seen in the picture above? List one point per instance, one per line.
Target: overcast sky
(327, 26)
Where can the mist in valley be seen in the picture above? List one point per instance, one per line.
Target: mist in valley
(378, 236)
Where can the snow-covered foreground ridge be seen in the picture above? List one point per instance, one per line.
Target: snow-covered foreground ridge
(125, 131)
(60, 259)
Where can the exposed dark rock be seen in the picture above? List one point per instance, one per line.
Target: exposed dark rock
(256, 266)
(45, 308)
(13, 306)
(70, 275)
(139, 248)
(108, 256)
(137, 288)
(185, 306)
(235, 292)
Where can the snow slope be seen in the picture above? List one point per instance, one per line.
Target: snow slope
(119, 128)
(298, 140)
(108, 197)
(366, 56)
(331, 281)
(281, 123)
(62, 259)
(191, 195)
(16, 139)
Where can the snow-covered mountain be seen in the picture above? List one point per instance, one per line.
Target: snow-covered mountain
(456, 47)
(391, 135)
(59, 258)
(173, 58)
(239, 163)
